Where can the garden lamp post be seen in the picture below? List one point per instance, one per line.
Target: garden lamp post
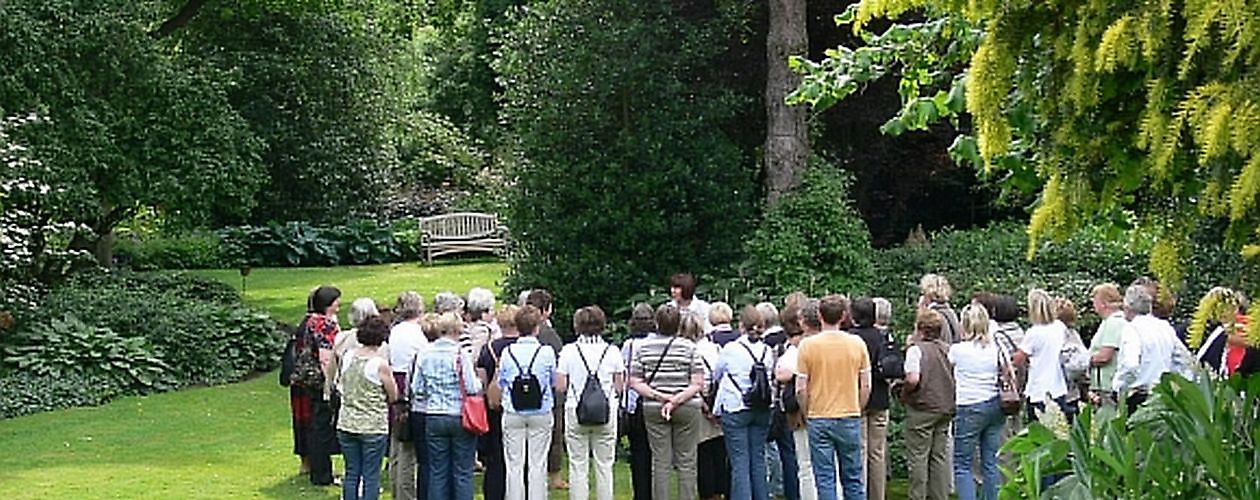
(245, 269)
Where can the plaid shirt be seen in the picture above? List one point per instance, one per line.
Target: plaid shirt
(436, 382)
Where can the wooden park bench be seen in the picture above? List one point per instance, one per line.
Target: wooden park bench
(461, 232)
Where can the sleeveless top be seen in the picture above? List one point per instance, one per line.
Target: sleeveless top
(363, 405)
(935, 391)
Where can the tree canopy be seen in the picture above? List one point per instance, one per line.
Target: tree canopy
(128, 122)
(1132, 113)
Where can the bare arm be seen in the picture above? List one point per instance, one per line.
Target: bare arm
(802, 392)
(645, 390)
(562, 382)
(782, 375)
(864, 386)
(330, 376)
(387, 381)
(1020, 357)
(912, 380)
(619, 382)
(1104, 356)
(697, 385)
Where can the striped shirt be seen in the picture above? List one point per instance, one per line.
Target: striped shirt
(677, 359)
(436, 382)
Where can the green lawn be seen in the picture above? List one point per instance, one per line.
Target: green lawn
(283, 291)
(231, 441)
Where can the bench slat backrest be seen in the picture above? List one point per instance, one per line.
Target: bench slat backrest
(459, 226)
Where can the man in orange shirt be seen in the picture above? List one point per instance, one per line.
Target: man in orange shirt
(833, 385)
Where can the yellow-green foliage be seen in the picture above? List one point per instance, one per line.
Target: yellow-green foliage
(1220, 305)
(987, 88)
(1131, 113)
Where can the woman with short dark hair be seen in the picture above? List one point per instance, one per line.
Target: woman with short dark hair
(363, 422)
(314, 437)
(642, 325)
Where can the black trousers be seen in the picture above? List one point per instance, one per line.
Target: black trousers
(416, 422)
(640, 457)
(322, 440)
(490, 448)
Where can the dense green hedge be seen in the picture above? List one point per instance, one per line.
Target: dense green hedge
(274, 245)
(125, 333)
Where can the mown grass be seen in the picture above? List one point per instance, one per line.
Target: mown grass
(231, 441)
(283, 291)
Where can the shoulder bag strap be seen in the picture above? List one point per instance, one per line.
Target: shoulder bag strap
(459, 370)
(660, 361)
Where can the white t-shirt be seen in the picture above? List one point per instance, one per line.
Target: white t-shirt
(708, 351)
(914, 358)
(975, 372)
(1042, 344)
(405, 340)
(572, 366)
(698, 307)
(788, 360)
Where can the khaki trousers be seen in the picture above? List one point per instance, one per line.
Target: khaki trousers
(875, 451)
(402, 468)
(926, 437)
(673, 444)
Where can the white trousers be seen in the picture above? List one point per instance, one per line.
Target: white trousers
(526, 441)
(584, 442)
(809, 490)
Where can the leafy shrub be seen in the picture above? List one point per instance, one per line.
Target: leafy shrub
(631, 170)
(192, 250)
(304, 244)
(203, 341)
(29, 393)
(66, 346)
(1193, 439)
(995, 259)
(813, 240)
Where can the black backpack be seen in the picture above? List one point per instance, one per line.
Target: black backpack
(592, 407)
(527, 392)
(892, 365)
(758, 396)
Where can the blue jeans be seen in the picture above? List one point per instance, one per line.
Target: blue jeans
(830, 438)
(417, 423)
(363, 454)
(980, 425)
(451, 451)
(787, 459)
(745, 433)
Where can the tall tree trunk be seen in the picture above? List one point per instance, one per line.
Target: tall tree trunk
(787, 134)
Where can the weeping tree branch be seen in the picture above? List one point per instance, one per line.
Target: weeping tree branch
(186, 13)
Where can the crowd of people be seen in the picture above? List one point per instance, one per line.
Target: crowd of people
(786, 401)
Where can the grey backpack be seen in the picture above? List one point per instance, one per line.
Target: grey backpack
(593, 407)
